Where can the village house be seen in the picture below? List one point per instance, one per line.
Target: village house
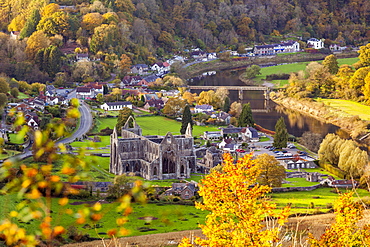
(82, 57)
(116, 106)
(98, 87)
(184, 190)
(161, 67)
(14, 35)
(156, 103)
(315, 43)
(251, 134)
(203, 108)
(212, 135)
(32, 120)
(84, 93)
(198, 55)
(283, 47)
(140, 69)
(148, 80)
(130, 80)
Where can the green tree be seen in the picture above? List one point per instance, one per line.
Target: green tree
(272, 173)
(31, 24)
(330, 62)
(4, 85)
(14, 92)
(246, 119)
(226, 106)
(123, 115)
(252, 71)
(186, 119)
(281, 134)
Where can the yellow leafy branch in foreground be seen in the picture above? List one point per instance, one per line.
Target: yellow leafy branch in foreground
(237, 207)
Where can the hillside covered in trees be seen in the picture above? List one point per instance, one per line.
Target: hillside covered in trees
(121, 32)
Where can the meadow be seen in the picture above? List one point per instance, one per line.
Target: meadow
(155, 125)
(350, 107)
(294, 67)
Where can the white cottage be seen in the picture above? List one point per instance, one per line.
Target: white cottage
(116, 106)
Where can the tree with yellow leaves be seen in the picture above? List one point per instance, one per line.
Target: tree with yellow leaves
(237, 208)
(35, 42)
(345, 231)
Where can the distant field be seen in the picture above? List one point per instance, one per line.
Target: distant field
(301, 200)
(350, 107)
(294, 67)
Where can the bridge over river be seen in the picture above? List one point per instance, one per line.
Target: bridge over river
(240, 89)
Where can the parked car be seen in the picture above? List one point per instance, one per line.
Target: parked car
(279, 153)
(288, 154)
(240, 150)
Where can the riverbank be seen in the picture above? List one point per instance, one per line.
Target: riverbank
(217, 65)
(352, 124)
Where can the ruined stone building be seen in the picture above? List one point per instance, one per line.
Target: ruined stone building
(152, 157)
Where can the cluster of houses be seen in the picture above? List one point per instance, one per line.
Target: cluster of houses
(30, 106)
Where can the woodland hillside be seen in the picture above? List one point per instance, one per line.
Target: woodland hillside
(144, 31)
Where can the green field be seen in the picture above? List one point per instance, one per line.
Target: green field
(350, 107)
(156, 125)
(13, 139)
(301, 200)
(294, 67)
(170, 218)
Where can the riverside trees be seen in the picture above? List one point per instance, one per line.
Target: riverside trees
(281, 134)
(345, 155)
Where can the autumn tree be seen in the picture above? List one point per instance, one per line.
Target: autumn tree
(235, 109)
(236, 206)
(4, 85)
(123, 116)
(91, 20)
(50, 9)
(189, 97)
(105, 37)
(186, 119)
(222, 93)
(281, 134)
(172, 80)
(3, 100)
(345, 231)
(366, 88)
(210, 98)
(357, 81)
(246, 119)
(35, 42)
(364, 55)
(330, 62)
(124, 64)
(57, 23)
(272, 173)
(174, 107)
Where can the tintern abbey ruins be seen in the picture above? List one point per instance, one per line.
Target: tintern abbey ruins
(151, 157)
